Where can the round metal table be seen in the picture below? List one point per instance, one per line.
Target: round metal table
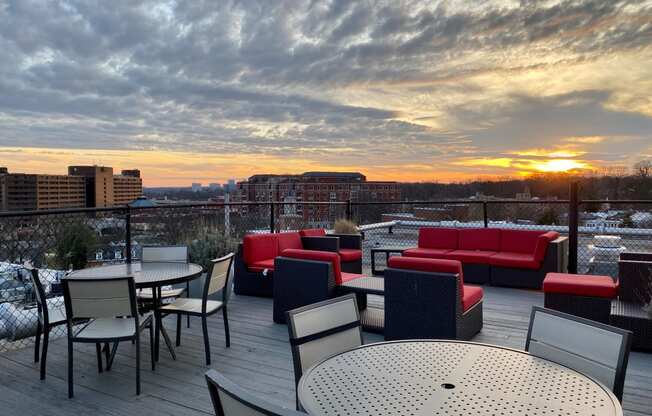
(448, 378)
(152, 275)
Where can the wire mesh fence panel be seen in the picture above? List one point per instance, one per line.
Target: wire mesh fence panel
(296, 216)
(54, 244)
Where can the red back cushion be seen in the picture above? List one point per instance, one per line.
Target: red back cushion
(479, 239)
(288, 240)
(438, 238)
(313, 232)
(427, 265)
(327, 256)
(542, 244)
(519, 241)
(257, 247)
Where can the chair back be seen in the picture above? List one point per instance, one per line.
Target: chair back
(594, 349)
(218, 277)
(100, 298)
(176, 254)
(39, 293)
(323, 329)
(231, 400)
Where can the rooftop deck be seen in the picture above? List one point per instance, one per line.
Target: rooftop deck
(259, 359)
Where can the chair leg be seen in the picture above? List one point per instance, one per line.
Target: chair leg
(207, 348)
(151, 344)
(98, 352)
(226, 327)
(70, 382)
(188, 295)
(44, 354)
(37, 341)
(178, 329)
(138, 363)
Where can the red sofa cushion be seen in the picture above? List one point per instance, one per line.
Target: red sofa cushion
(472, 295)
(427, 265)
(258, 247)
(313, 232)
(350, 254)
(428, 253)
(288, 240)
(440, 238)
(316, 255)
(487, 239)
(347, 277)
(515, 260)
(543, 242)
(469, 256)
(580, 285)
(519, 241)
(261, 265)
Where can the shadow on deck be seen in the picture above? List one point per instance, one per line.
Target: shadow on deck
(259, 359)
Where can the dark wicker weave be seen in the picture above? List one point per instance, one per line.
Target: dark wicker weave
(556, 260)
(476, 273)
(631, 316)
(353, 242)
(589, 307)
(421, 305)
(635, 273)
(250, 283)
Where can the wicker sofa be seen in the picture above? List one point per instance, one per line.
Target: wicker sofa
(514, 258)
(349, 249)
(427, 298)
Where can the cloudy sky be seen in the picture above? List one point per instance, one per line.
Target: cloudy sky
(403, 90)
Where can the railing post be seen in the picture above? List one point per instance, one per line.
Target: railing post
(272, 220)
(349, 212)
(128, 234)
(573, 226)
(485, 214)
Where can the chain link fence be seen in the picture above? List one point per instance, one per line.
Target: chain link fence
(55, 242)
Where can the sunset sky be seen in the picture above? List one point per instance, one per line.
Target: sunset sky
(202, 91)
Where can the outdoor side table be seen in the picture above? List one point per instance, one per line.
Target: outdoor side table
(372, 318)
(152, 275)
(448, 378)
(631, 316)
(387, 251)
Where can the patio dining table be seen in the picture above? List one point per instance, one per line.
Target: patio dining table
(153, 275)
(426, 377)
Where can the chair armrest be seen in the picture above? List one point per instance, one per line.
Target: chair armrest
(635, 279)
(321, 243)
(636, 256)
(350, 241)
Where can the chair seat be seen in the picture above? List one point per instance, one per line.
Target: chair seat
(515, 260)
(261, 265)
(430, 253)
(165, 294)
(472, 295)
(469, 256)
(103, 328)
(350, 254)
(56, 315)
(581, 285)
(191, 305)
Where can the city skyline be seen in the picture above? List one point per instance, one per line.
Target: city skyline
(408, 91)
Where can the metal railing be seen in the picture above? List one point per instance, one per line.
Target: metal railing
(58, 240)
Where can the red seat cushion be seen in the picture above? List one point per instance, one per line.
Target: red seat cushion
(472, 295)
(516, 260)
(429, 253)
(519, 241)
(486, 239)
(261, 265)
(543, 242)
(316, 255)
(439, 238)
(469, 256)
(258, 247)
(347, 277)
(350, 254)
(288, 240)
(313, 232)
(581, 285)
(427, 265)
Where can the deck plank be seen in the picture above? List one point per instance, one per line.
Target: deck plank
(259, 359)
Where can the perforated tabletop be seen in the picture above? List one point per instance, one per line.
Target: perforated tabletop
(150, 274)
(448, 378)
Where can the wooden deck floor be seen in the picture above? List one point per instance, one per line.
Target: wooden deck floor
(259, 359)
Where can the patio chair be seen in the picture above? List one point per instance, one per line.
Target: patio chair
(597, 350)
(322, 329)
(48, 318)
(231, 400)
(216, 280)
(174, 254)
(110, 307)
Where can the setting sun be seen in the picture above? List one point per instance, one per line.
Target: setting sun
(560, 165)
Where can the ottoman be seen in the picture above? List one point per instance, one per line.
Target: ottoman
(588, 296)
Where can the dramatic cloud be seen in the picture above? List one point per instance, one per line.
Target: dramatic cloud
(413, 90)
